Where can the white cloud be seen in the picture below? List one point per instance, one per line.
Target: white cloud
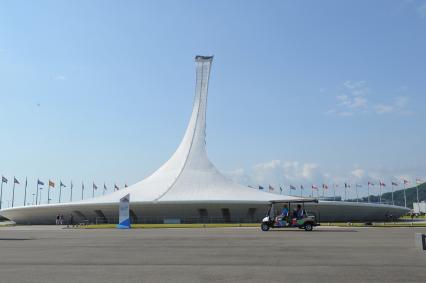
(397, 106)
(382, 108)
(353, 97)
(358, 173)
(284, 173)
(60, 77)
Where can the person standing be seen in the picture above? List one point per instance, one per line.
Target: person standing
(61, 219)
(57, 219)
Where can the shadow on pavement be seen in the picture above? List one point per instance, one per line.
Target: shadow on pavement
(287, 230)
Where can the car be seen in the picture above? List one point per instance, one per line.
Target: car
(280, 215)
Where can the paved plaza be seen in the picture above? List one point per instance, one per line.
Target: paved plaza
(53, 254)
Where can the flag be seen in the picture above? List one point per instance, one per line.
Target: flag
(16, 181)
(82, 185)
(314, 187)
(292, 187)
(271, 189)
(40, 182)
(261, 188)
(301, 187)
(125, 185)
(370, 184)
(116, 187)
(51, 184)
(62, 185)
(95, 187)
(324, 186)
(419, 182)
(347, 186)
(105, 188)
(358, 185)
(281, 189)
(406, 182)
(3, 179)
(394, 184)
(382, 184)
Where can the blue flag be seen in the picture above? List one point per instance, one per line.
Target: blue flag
(3, 179)
(40, 183)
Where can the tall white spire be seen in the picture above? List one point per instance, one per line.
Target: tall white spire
(189, 176)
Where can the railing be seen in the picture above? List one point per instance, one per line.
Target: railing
(183, 220)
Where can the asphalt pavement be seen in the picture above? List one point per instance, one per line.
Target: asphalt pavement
(52, 254)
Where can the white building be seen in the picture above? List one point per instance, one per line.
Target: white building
(188, 187)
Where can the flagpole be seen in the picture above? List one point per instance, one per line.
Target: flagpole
(82, 189)
(37, 193)
(334, 192)
(48, 193)
(393, 203)
(60, 190)
(71, 192)
(356, 189)
(13, 191)
(405, 196)
(417, 189)
(93, 190)
(368, 192)
(380, 193)
(25, 194)
(301, 192)
(1, 193)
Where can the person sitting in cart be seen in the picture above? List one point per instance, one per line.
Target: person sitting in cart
(284, 212)
(299, 213)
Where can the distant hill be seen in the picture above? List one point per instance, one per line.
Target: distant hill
(398, 196)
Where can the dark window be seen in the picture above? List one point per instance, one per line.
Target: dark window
(251, 214)
(203, 214)
(226, 215)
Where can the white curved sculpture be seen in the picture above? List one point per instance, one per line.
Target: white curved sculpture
(189, 186)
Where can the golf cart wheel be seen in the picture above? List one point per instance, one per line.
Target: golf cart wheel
(264, 227)
(308, 227)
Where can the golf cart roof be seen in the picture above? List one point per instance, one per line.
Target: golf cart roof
(299, 200)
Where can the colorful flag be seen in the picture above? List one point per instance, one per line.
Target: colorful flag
(95, 187)
(51, 184)
(40, 182)
(271, 189)
(62, 185)
(382, 184)
(301, 187)
(370, 184)
(419, 182)
(16, 181)
(347, 186)
(394, 184)
(406, 182)
(324, 186)
(3, 179)
(292, 187)
(314, 187)
(117, 188)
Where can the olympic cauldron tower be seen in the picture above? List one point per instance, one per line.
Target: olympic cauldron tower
(189, 188)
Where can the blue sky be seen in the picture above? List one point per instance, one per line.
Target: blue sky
(301, 92)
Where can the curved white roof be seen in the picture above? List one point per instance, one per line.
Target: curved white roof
(189, 176)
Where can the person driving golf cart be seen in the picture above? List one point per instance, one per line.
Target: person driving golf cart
(283, 218)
